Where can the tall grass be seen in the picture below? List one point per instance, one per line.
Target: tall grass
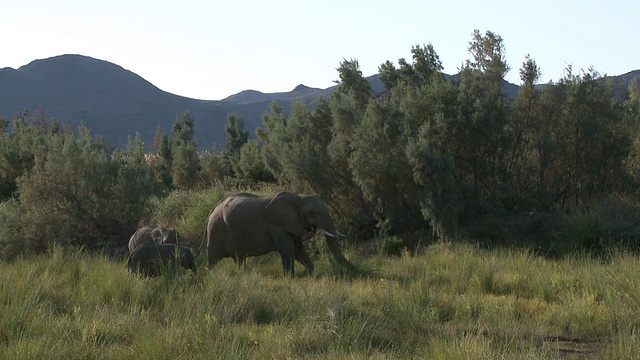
(448, 301)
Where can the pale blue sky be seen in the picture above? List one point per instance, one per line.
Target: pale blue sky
(213, 49)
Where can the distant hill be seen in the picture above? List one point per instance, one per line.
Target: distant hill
(300, 93)
(627, 78)
(116, 103)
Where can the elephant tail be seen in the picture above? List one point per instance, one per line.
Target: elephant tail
(206, 229)
(204, 239)
(130, 263)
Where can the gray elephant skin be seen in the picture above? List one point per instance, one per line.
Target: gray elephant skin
(151, 259)
(245, 225)
(159, 235)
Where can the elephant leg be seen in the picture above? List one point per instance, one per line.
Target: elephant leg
(211, 264)
(286, 248)
(240, 260)
(214, 254)
(212, 260)
(287, 262)
(302, 257)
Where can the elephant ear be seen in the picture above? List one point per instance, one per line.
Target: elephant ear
(156, 235)
(283, 212)
(169, 236)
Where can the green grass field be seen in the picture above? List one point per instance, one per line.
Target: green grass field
(447, 301)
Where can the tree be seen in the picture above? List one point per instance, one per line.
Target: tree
(133, 186)
(4, 125)
(250, 165)
(160, 161)
(596, 137)
(183, 129)
(18, 151)
(308, 153)
(445, 153)
(157, 140)
(273, 123)
(292, 150)
(425, 67)
(457, 142)
(525, 128)
(353, 84)
(381, 170)
(214, 167)
(434, 170)
(488, 54)
(186, 166)
(426, 63)
(236, 135)
(478, 139)
(632, 119)
(185, 162)
(388, 74)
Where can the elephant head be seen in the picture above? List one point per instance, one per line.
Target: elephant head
(163, 235)
(302, 215)
(186, 258)
(158, 235)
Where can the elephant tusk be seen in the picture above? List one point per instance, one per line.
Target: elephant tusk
(340, 234)
(328, 233)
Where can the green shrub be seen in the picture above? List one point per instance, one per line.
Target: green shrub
(77, 194)
(187, 211)
(11, 243)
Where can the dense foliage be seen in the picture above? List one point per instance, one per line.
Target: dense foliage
(431, 154)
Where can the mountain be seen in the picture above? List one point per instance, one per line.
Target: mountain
(116, 103)
(299, 93)
(627, 78)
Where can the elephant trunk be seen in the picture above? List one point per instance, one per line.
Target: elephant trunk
(332, 242)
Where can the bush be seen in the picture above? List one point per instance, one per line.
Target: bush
(187, 211)
(77, 194)
(10, 242)
(597, 229)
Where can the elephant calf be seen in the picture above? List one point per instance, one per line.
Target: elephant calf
(159, 235)
(151, 259)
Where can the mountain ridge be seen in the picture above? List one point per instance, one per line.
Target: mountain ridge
(301, 92)
(116, 103)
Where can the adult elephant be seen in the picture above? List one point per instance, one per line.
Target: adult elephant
(158, 235)
(151, 259)
(245, 225)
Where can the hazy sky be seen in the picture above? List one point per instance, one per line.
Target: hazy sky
(213, 49)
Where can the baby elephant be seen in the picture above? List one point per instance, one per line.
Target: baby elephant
(151, 259)
(160, 235)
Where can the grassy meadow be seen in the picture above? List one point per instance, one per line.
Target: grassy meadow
(445, 301)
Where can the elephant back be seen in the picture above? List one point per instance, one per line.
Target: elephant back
(141, 236)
